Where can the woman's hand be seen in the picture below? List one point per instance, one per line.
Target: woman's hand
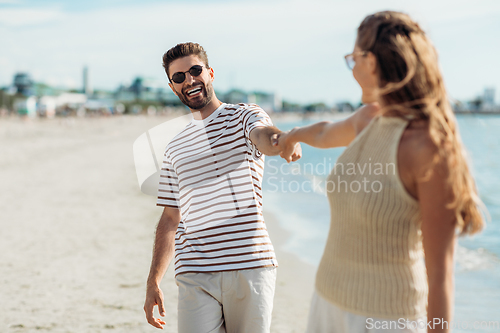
(289, 148)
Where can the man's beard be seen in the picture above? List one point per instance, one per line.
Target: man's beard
(198, 103)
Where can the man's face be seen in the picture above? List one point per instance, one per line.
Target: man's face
(196, 92)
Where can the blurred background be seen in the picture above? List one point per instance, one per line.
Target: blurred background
(287, 55)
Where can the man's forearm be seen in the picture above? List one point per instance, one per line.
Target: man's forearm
(163, 251)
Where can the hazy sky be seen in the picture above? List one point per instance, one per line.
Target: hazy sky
(294, 48)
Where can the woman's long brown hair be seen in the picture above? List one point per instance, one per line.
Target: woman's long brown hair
(411, 86)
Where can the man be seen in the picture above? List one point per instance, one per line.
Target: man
(210, 188)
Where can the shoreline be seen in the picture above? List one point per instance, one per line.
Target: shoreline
(294, 283)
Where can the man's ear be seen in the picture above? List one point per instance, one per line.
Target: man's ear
(211, 73)
(172, 87)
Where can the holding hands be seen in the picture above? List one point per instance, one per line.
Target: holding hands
(289, 149)
(271, 141)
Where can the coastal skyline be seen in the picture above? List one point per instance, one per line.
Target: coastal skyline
(292, 48)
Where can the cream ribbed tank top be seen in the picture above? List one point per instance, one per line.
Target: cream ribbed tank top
(373, 261)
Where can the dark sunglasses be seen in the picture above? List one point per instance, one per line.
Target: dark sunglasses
(179, 77)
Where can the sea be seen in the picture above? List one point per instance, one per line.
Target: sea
(295, 195)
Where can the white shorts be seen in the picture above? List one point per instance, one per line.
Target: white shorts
(326, 317)
(231, 301)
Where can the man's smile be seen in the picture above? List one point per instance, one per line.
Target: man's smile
(193, 92)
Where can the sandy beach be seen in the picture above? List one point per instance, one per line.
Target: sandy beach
(77, 233)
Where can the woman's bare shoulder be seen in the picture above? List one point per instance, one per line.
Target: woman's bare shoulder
(417, 148)
(364, 115)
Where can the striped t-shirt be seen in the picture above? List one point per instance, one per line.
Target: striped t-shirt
(213, 173)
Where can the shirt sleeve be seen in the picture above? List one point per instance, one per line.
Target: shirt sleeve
(253, 117)
(168, 189)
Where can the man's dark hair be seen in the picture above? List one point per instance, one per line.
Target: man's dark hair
(183, 50)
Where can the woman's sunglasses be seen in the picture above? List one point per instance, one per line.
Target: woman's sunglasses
(179, 77)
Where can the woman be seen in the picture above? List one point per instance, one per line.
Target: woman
(400, 190)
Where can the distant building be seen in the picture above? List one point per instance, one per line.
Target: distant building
(87, 87)
(235, 96)
(147, 89)
(270, 102)
(47, 106)
(489, 95)
(104, 105)
(23, 84)
(72, 100)
(482, 103)
(489, 99)
(148, 95)
(124, 94)
(25, 106)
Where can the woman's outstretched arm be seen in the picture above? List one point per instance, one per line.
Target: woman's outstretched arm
(326, 134)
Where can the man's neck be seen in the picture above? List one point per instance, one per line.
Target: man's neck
(207, 110)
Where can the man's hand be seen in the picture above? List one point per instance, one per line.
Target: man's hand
(264, 137)
(154, 296)
(290, 150)
(162, 255)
